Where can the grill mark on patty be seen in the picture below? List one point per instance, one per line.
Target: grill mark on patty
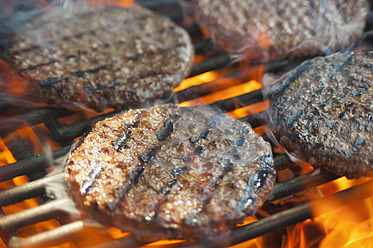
(107, 28)
(122, 139)
(93, 176)
(201, 136)
(165, 131)
(256, 182)
(120, 192)
(49, 82)
(95, 70)
(146, 157)
(33, 67)
(281, 88)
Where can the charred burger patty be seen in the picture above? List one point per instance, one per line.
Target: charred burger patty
(172, 172)
(281, 28)
(102, 56)
(323, 110)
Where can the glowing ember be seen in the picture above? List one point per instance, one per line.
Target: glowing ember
(197, 80)
(248, 110)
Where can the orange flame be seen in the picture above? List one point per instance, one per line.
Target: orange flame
(119, 3)
(224, 94)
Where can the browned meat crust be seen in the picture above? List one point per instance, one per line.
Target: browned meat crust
(281, 28)
(323, 110)
(165, 171)
(102, 56)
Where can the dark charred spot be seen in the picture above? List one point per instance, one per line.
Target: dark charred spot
(348, 154)
(365, 86)
(172, 182)
(212, 121)
(178, 171)
(165, 191)
(67, 78)
(198, 150)
(348, 105)
(88, 90)
(132, 178)
(49, 82)
(136, 124)
(341, 115)
(147, 156)
(239, 142)
(175, 116)
(202, 136)
(78, 73)
(121, 142)
(315, 145)
(95, 70)
(152, 73)
(107, 45)
(166, 131)
(359, 141)
(186, 158)
(71, 56)
(134, 58)
(228, 168)
(93, 175)
(244, 131)
(137, 172)
(234, 152)
(194, 139)
(369, 128)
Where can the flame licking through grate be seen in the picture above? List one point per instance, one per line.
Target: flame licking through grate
(31, 217)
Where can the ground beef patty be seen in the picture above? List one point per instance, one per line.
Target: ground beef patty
(102, 56)
(323, 110)
(280, 28)
(171, 172)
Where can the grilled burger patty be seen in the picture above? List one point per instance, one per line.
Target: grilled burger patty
(102, 56)
(170, 172)
(323, 110)
(280, 28)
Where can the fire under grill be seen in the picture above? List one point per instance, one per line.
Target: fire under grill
(53, 119)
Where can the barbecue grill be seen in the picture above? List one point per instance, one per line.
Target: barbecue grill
(62, 127)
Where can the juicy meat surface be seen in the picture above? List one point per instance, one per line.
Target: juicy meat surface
(282, 28)
(186, 173)
(323, 111)
(102, 56)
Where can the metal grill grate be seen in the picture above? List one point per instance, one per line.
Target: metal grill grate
(36, 167)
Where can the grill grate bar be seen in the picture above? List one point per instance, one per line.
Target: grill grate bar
(300, 183)
(294, 215)
(52, 237)
(26, 191)
(32, 118)
(53, 209)
(34, 215)
(25, 166)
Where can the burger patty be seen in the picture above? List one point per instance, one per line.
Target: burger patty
(185, 173)
(102, 56)
(323, 110)
(281, 28)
